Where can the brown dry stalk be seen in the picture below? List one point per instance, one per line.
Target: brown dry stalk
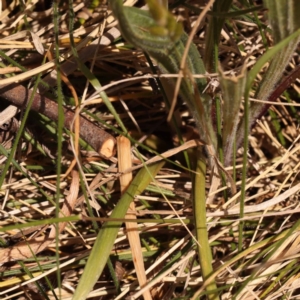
(96, 137)
(124, 160)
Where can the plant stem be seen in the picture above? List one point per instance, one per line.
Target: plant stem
(204, 251)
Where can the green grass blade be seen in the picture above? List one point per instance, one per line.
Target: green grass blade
(90, 76)
(107, 235)
(280, 55)
(40, 223)
(60, 126)
(249, 115)
(254, 71)
(19, 133)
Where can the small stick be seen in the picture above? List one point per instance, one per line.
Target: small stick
(96, 137)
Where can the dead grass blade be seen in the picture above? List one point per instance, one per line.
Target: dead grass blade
(124, 162)
(31, 247)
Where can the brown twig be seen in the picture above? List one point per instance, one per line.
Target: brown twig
(96, 137)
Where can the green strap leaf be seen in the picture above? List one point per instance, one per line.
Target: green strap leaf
(108, 233)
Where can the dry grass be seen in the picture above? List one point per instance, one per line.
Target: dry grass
(271, 241)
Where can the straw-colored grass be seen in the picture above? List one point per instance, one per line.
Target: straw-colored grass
(77, 221)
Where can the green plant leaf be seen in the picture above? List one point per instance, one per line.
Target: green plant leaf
(108, 233)
(284, 19)
(233, 89)
(280, 55)
(135, 25)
